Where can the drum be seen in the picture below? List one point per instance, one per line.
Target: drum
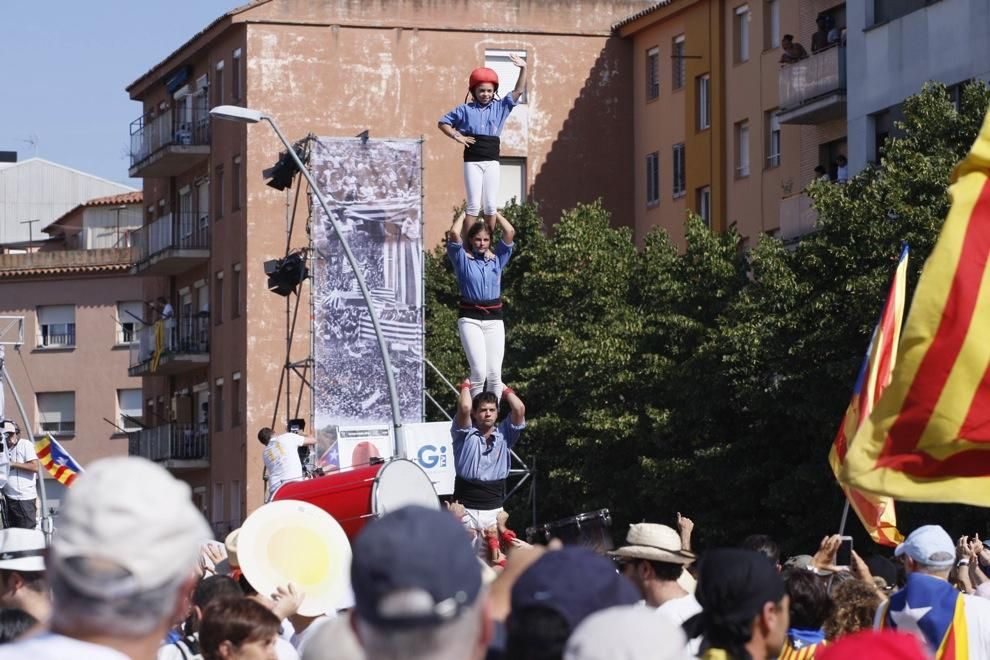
(592, 529)
(355, 496)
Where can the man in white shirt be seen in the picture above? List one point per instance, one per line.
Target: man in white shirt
(20, 491)
(281, 457)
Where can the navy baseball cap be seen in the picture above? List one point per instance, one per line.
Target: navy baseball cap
(574, 582)
(413, 567)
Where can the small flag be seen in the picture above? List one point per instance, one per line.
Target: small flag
(875, 512)
(56, 460)
(928, 438)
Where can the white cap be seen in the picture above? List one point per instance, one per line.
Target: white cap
(22, 550)
(131, 513)
(627, 632)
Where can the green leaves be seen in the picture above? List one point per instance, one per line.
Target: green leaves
(712, 381)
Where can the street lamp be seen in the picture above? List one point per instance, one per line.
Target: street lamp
(249, 116)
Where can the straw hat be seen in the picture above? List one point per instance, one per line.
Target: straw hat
(293, 541)
(655, 543)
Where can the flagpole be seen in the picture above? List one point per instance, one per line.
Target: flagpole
(845, 516)
(46, 521)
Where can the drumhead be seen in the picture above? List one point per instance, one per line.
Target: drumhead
(402, 483)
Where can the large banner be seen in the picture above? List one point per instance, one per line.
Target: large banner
(375, 192)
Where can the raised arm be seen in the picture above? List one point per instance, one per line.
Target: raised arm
(463, 417)
(520, 88)
(517, 409)
(508, 231)
(454, 235)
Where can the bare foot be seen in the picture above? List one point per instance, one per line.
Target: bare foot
(501, 518)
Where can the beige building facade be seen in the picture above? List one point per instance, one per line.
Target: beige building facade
(333, 69)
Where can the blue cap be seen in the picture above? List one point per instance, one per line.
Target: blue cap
(423, 553)
(929, 545)
(574, 582)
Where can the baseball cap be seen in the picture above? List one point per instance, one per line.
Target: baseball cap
(422, 553)
(929, 545)
(627, 632)
(22, 549)
(131, 513)
(573, 582)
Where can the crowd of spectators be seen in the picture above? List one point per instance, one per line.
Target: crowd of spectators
(127, 577)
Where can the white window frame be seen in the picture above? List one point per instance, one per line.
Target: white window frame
(773, 140)
(771, 10)
(653, 73)
(678, 63)
(679, 170)
(59, 416)
(653, 179)
(236, 82)
(742, 148)
(704, 86)
(741, 20)
(127, 324)
(130, 411)
(508, 73)
(705, 204)
(56, 326)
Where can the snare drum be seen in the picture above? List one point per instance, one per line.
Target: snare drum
(355, 496)
(592, 529)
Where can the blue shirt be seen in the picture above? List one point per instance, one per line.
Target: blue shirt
(479, 279)
(480, 459)
(473, 119)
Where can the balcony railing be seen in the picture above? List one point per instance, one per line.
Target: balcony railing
(183, 340)
(179, 231)
(186, 125)
(63, 337)
(812, 90)
(178, 445)
(57, 428)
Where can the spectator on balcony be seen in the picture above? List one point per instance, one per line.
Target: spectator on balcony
(819, 40)
(821, 174)
(841, 169)
(164, 308)
(793, 51)
(20, 491)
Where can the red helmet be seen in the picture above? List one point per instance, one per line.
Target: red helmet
(483, 75)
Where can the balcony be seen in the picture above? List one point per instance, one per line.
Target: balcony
(797, 217)
(813, 90)
(185, 346)
(172, 142)
(175, 446)
(172, 244)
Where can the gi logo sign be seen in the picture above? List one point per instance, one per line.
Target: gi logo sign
(430, 457)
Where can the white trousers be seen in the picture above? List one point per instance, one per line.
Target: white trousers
(481, 180)
(484, 346)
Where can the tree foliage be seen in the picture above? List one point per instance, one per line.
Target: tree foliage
(710, 381)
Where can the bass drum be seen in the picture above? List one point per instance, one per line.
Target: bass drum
(591, 529)
(355, 496)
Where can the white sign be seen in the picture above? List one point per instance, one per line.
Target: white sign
(357, 445)
(430, 447)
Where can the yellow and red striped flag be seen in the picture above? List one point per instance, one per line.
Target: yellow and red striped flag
(874, 511)
(56, 460)
(928, 439)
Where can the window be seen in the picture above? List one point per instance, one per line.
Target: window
(653, 179)
(235, 504)
(57, 326)
(704, 102)
(218, 85)
(741, 30)
(771, 24)
(652, 74)
(129, 324)
(218, 405)
(508, 73)
(129, 406)
(218, 299)
(704, 204)
(679, 170)
(882, 125)
(217, 512)
(235, 400)
(218, 187)
(512, 185)
(235, 74)
(235, 184)
(772, 127)
(57, 412)
(235, 292)
(742, 148)
(888, 10)
(678, 63)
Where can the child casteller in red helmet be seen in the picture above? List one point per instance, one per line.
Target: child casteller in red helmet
(477, 125)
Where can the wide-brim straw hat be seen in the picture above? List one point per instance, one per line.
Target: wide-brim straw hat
(654, 542)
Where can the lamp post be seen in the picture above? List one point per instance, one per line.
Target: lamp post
(249, 116)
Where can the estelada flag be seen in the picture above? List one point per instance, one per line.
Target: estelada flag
(928, 438)
(56, 460)
(874, 511)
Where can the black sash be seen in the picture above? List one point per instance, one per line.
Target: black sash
(480, 310)
(485, 147)
(474, 494)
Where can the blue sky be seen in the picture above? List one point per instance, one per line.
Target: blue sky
(65, 66)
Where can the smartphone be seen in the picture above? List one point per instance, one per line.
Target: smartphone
(844, 555)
